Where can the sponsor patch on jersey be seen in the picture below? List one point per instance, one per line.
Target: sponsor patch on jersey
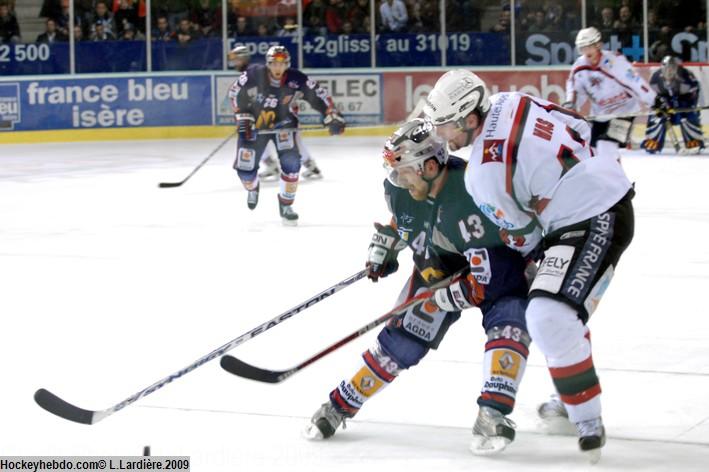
(479, 264)
(366, 382)
(553, 268)
(505, 363)
(496, 215)
(492, 150)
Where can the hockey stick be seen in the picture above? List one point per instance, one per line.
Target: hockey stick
(669, 127)
(240, 368)
(199, 166)
(63, 409)
(644, 113)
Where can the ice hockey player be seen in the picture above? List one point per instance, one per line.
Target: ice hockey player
(609, 82)
(239, 59)
(532, 172)
(265, 97)
(676, 88)
(436, 218)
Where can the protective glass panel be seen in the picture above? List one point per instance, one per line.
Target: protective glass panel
(478, 32)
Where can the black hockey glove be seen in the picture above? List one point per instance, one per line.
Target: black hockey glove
(246, 126)
(383, 252)
(661, 107)
(464, 292)
(334, 122)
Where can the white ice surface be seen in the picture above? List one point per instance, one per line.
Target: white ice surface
(108, 284)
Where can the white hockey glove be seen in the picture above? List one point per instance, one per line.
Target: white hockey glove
(383, 252)
(334, 122)
(464, 292)
(246, 126)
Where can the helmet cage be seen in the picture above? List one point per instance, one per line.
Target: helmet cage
(409, 148)
(669, 67)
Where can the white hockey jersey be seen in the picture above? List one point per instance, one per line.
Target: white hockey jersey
(532, 170)
(612, 86)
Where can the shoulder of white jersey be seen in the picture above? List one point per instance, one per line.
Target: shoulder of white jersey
(580, 64)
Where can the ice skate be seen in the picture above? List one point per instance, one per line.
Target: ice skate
(252, 197)
(288, 216)
(311, 172)
(324, 423)
(271, 169)
(592, 437)
(553, 418)
(492, 432)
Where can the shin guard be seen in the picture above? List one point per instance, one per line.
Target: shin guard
(506, 352)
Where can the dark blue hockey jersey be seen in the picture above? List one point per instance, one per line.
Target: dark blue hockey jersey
(682, 89)
(274, 104)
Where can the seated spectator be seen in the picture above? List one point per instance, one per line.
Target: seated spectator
(316, 8)
(243, 28)
(347, 28)
(503, 22)
(335, 15)
(289, 28)
(625, 21)
(130, 33)
(314, 25)
(538, 23)
(9, 28)
(394, 15)
(78, 33)
(51, 35)
(357, 13)
(424, 18)
(262, 30)
(605, 25)
(62, 21)
(100, 33)
(175, 10)
(125, 13)
(162, 31)
(207, 17)
(185, 32)
(103, 15)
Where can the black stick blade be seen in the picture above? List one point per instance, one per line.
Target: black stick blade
(234, 366)
(169, 184)
(59, 407)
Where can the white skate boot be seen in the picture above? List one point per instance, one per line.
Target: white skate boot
(553, 418)
(492, 432)
(592, 437)
(311, 172)
(324, 423)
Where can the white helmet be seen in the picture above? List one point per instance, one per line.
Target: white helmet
(456, 94)
(410, 146)
(278, 54)
(240, 51)
(587, 37)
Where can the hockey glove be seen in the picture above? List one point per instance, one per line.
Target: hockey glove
(661, 107)
(464, 292)
(383, 252)
(246, 126)
(334, 122)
